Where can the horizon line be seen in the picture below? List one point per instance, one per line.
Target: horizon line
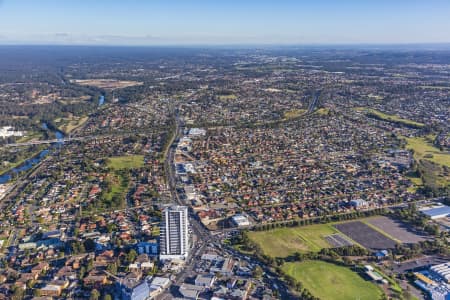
(190, 45)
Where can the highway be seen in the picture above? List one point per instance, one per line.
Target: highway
(313, 104)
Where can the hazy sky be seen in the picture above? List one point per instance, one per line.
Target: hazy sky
(149, 22)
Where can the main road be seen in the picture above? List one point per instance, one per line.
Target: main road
(201, 233)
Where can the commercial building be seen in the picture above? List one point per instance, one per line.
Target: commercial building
(206, 280)
(194, 132)
(223, 266)
(174, 243)
(190, 291)
(240, 220)
(159, 284)
(358, 203)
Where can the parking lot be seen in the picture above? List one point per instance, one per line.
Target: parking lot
(365, 235)
(338, 240)
(396, 229)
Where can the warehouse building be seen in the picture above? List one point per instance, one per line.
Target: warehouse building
(438, 211)
(442, 270)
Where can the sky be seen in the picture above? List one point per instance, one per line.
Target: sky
(221, 22)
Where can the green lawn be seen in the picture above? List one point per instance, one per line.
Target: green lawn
(30, 135)
(422, 148)
(431, 161)
(117, 189)
(282, 242)
(126, 162)
(227, 97)
(328, 281)
(118, 186)
(392, 118)
(417, 182)
(69, 124)
(293, 113)
(114, 196)
(322, 111)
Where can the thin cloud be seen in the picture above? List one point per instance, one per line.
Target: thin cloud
(62, 34)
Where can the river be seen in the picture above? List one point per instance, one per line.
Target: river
(29, 163)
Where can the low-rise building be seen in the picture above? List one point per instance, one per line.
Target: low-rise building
(205, 280)
(51, 290)
(135, 290)
(190, 291)
(240, 220)
(150, 248)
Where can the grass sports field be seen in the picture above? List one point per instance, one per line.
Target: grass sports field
(282, 242)
(126, 162)
(329, 281)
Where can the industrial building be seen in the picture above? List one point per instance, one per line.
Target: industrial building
(435, 281)
(174, 242)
